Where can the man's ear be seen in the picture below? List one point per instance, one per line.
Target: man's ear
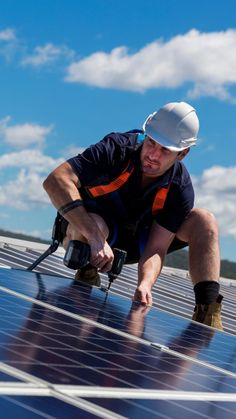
(183, 153)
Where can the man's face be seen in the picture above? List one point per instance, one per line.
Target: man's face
(156, 159)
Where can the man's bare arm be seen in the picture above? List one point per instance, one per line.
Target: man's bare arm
(62, 187)
(151, 262)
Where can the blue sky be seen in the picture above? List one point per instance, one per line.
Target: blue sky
(72, 71)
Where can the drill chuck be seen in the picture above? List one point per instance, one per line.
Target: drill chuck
(118, 262)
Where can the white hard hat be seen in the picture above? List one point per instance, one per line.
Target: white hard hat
(175, 126)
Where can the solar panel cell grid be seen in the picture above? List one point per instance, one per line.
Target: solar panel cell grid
(172, 292)
(5, 378)
(88, 354)
(111, 310)
(169, 409)
(69, 350)
(40, 407)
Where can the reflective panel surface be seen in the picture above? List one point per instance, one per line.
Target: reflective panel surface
(55, 332)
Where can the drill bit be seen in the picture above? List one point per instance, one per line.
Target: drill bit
(109, 285)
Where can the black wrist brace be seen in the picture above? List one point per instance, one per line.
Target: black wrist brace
(70, 206)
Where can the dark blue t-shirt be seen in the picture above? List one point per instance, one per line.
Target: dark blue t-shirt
(103, 162)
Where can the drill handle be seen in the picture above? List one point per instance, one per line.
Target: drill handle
(77, 254)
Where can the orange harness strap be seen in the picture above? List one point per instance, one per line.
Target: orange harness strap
(99, 190)
(159, 199)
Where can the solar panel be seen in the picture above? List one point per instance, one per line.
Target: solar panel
(69, 350)
(172, 292)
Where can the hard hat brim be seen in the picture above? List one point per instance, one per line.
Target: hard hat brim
(166, 143)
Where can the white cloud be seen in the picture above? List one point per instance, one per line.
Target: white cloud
(33, 160)
(72, 150)
(7, 35)
(216, 190)
(207, 60)
(25, 190)
(47, 54)
(206, 89)
(23, 135)
(9, 44)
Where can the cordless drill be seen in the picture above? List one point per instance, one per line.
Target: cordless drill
(78, 254)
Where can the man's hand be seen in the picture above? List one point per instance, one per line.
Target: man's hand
(151, 262)
(101, 255)
(143, 294)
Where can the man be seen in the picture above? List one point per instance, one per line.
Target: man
(132, 191)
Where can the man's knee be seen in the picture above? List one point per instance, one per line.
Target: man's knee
(200, 222)
(205, 221)
(203, 217)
